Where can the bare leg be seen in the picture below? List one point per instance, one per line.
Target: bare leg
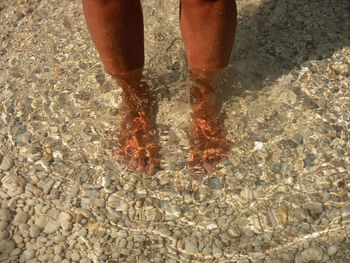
(116, 27)
(208, 29)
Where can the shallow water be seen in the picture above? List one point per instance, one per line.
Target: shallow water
(283, 190)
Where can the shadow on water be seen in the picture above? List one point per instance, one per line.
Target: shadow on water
(279, 36)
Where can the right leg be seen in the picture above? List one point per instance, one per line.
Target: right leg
(116, 28)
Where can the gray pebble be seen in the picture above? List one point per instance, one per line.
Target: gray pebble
(332, 250)
(190, 247)
(3, 225)
(58, 249)
(75, 256)
(312, 254)
(171, 210)
(41, 221)
(34, 231)
(51, 227)
(20, 218)
(5, 214)
(6, 163)
(17, 238)
(27, 255)
(314, 207)
(23, 138)
(6, 247)
(345, 212)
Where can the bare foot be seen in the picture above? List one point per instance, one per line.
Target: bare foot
(208, 143)
(136, 138)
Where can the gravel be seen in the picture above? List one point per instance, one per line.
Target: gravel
(282, 195)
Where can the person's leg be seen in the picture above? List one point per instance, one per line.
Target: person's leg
(116, 28)
(208, 30)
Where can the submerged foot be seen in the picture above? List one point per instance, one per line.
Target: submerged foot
(136, 139)
(208, 143)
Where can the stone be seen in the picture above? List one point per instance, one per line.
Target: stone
(6, 247)
(345, 212)
(34, 231)
(27, 255)
(3, 225)
(51, 227)
(332, 250)
(6, 163)
(58, 249)
(190, 247)
(75, 256)
(5, 214)
(171, 210)
(20, 218)
(41, 221)
(23, 138)
(315, 208)
(312, 254)
(17, 238)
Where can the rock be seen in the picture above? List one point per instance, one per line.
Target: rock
(233, 232)
(217, 253)
(215, 183)
(52, 227)
(3, 225)
(341, 68)
(190, 247)
(300, 213)
(247, 193)
(34, 231)
(345, 212)
(312, 254)
(6, 163)
(5, 214)
(20, 218)
(27, 255)
(6, 247)
(332, 250)
(41, 221)
(75, 256)
(58, 249)
(315, 208)
(23, 138)
(171, 210)
(117, 203)
(18, 239)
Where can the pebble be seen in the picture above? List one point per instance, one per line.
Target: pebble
(190, 247)
(23, 138)
(17, 238)
(345, 212)
(52, 227)
(6, 247)
(34, 231)
(75, 256)
(171, 210)
(5, 214)
(314, 207)
(41, 221)
(20, 218)
(58, 249)
(312, 254)
(3, 225)
(27, 255)
(332, 250)
(6, 163)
